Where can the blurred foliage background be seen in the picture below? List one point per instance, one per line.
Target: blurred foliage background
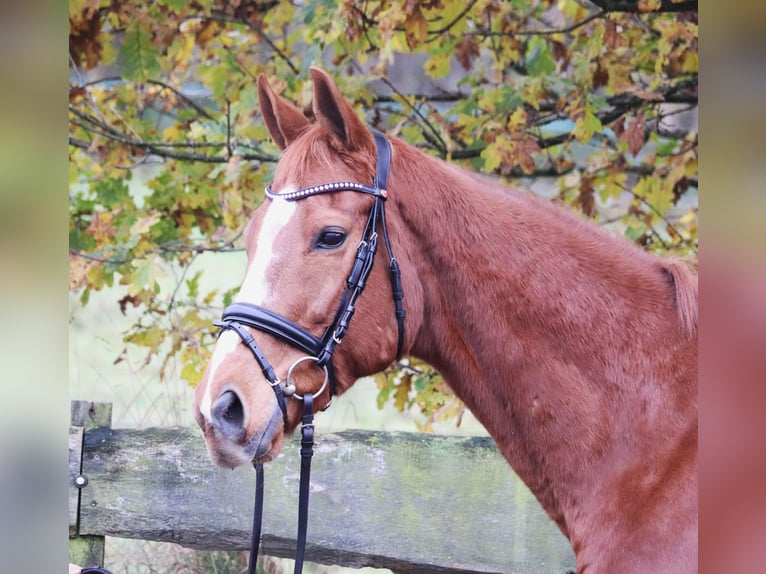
(591, 103)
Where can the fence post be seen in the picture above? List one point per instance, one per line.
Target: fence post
(85, 415)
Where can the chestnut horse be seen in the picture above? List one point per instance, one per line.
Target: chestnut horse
(575, 349)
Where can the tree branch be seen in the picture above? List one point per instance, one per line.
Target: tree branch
(549, 32)
(438, 141)
(186, 99)
(654, 210)
(161, 149)
(621, 104)
(447, 27)
(219, 16)
(633, 6)
(227, 247)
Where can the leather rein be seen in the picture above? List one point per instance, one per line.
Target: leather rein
(237, 316)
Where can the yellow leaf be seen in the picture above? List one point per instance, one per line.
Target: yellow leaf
(586, 126)
(691, 62)
(172, 133)
(416, 28)
(691, 169)
(518, 120)
(402, 392)
(649, 5)
(208, 300)
(493, 155)
(151, 337)
(438, 66)
(688, 217)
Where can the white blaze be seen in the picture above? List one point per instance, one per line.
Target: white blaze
(225, 345)
(255, 289)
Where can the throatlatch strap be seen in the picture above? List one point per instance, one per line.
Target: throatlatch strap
(382, 169)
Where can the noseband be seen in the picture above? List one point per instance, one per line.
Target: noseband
(237, 316)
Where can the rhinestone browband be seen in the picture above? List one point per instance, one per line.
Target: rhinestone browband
(327, 188)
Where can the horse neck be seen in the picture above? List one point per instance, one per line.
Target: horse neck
(540, 323)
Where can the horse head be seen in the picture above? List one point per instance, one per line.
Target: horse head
(300, 255)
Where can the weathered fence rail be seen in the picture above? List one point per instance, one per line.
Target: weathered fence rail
(408, 502)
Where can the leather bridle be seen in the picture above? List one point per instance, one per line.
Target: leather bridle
(237, 316)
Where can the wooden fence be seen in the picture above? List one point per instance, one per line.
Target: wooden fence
(404, 501)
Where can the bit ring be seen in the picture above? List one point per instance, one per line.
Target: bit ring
(289, 382)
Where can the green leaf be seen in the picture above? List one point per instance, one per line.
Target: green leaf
(176, 5)
(112, 192)
(81, 241)
(138, 56)
(634, 233)
(192, 284)
(540, 61)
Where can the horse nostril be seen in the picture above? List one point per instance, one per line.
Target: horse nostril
(229, 414)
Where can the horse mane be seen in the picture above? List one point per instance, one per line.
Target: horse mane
(683, 276)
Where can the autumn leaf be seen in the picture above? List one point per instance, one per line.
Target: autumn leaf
(539, 58)
(521, 155)
(634, 135)
(151, 338)
(600, 76)
(612, 38)
(466, 51)
(128, 299)
(586, 200)
(101, 228)
(416, 28)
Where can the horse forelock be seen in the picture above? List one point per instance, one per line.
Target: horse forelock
(316, 156)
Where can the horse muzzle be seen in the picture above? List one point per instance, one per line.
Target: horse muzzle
(228, 441)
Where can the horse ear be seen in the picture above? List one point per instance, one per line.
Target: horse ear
(335, 114)
(284, 121)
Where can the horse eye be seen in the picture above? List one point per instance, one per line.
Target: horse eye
(330, 238)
